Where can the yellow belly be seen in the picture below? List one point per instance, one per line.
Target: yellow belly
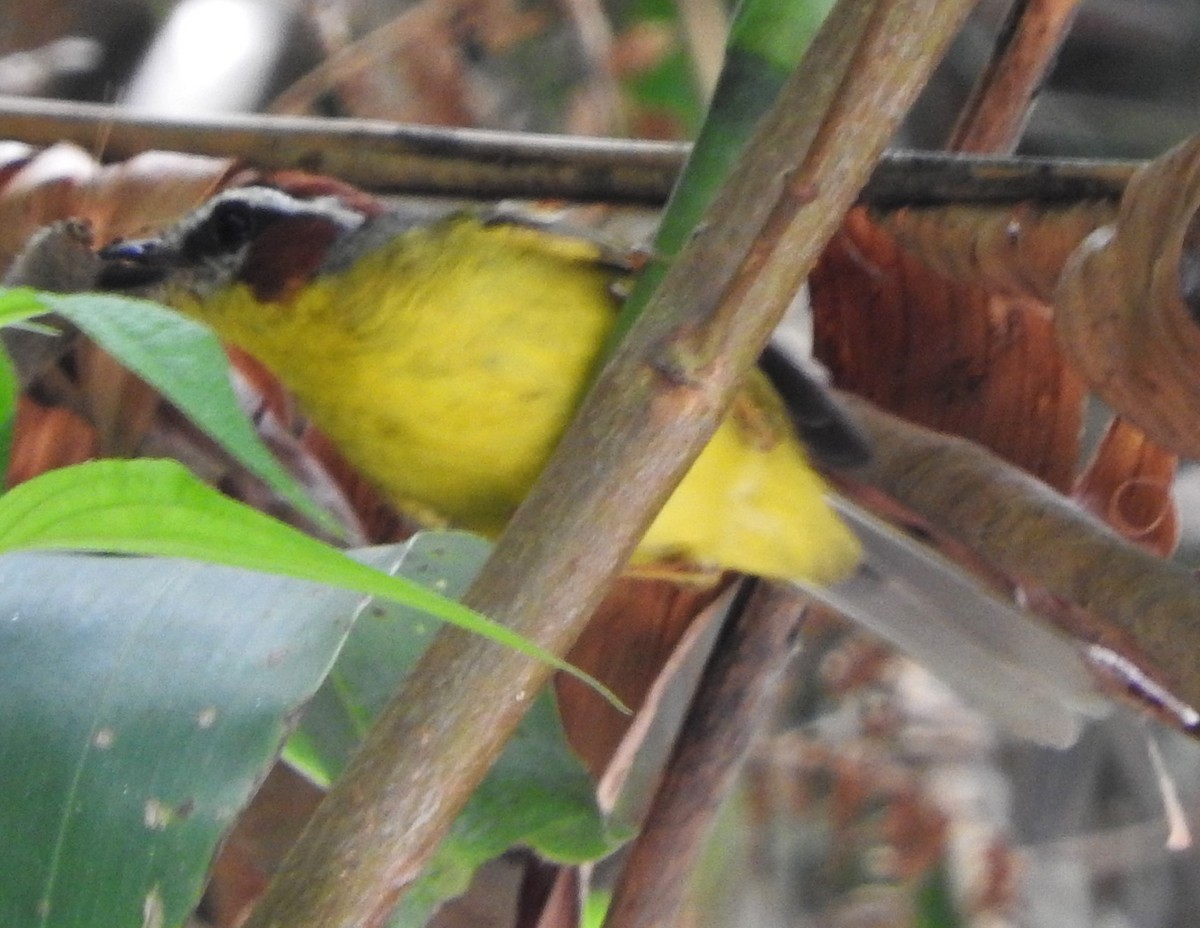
(446, 365)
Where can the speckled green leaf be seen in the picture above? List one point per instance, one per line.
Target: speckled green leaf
(141, 700)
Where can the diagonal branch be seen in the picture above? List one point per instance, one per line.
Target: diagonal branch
(646, 418)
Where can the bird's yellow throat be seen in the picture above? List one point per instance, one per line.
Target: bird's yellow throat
(446, 362)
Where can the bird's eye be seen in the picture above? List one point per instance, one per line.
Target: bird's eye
(232, 225)
(226, 230)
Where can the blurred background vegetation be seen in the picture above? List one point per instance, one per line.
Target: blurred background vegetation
(1124, 86)
(836, 825)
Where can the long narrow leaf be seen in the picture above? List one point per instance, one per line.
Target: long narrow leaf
(9, 390)
(158, 507)
(184, 361)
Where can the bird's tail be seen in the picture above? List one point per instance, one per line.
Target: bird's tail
(1031, 679)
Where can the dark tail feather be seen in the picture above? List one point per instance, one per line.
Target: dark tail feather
(830, 434)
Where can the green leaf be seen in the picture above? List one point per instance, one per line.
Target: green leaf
(537, 795)
(776, 35)
(766, 41)
(159, 507)
(595, 908)
(141, 701)
(184, 361)
(18, 304)
(935, 906)
(377, 656)
(10, 388)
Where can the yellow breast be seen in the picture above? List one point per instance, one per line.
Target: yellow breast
(447, 363)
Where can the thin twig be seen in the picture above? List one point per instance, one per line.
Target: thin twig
(736, 689)
(392, 157)
(995, 115)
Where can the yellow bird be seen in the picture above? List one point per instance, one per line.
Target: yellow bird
(445, 356)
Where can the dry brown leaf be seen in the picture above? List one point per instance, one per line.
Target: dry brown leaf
(626, 646)
(122, 199)
(120, 405)
(147, 191)
(1018, 250)
(46, 437)
(948, 355)
(254, 849)
(13, 156)
(1128, 484)
(45, 188)
(1129, 303)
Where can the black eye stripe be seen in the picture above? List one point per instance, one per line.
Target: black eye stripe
(234, 226)
(231, 225)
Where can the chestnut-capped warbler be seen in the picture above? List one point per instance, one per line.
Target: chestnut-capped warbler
(444, 355)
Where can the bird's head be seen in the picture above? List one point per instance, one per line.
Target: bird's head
(260, 236)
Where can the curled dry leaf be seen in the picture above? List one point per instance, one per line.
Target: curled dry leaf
(1128, 483)
(897, 335)
(1129, 303)
(64, 181)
